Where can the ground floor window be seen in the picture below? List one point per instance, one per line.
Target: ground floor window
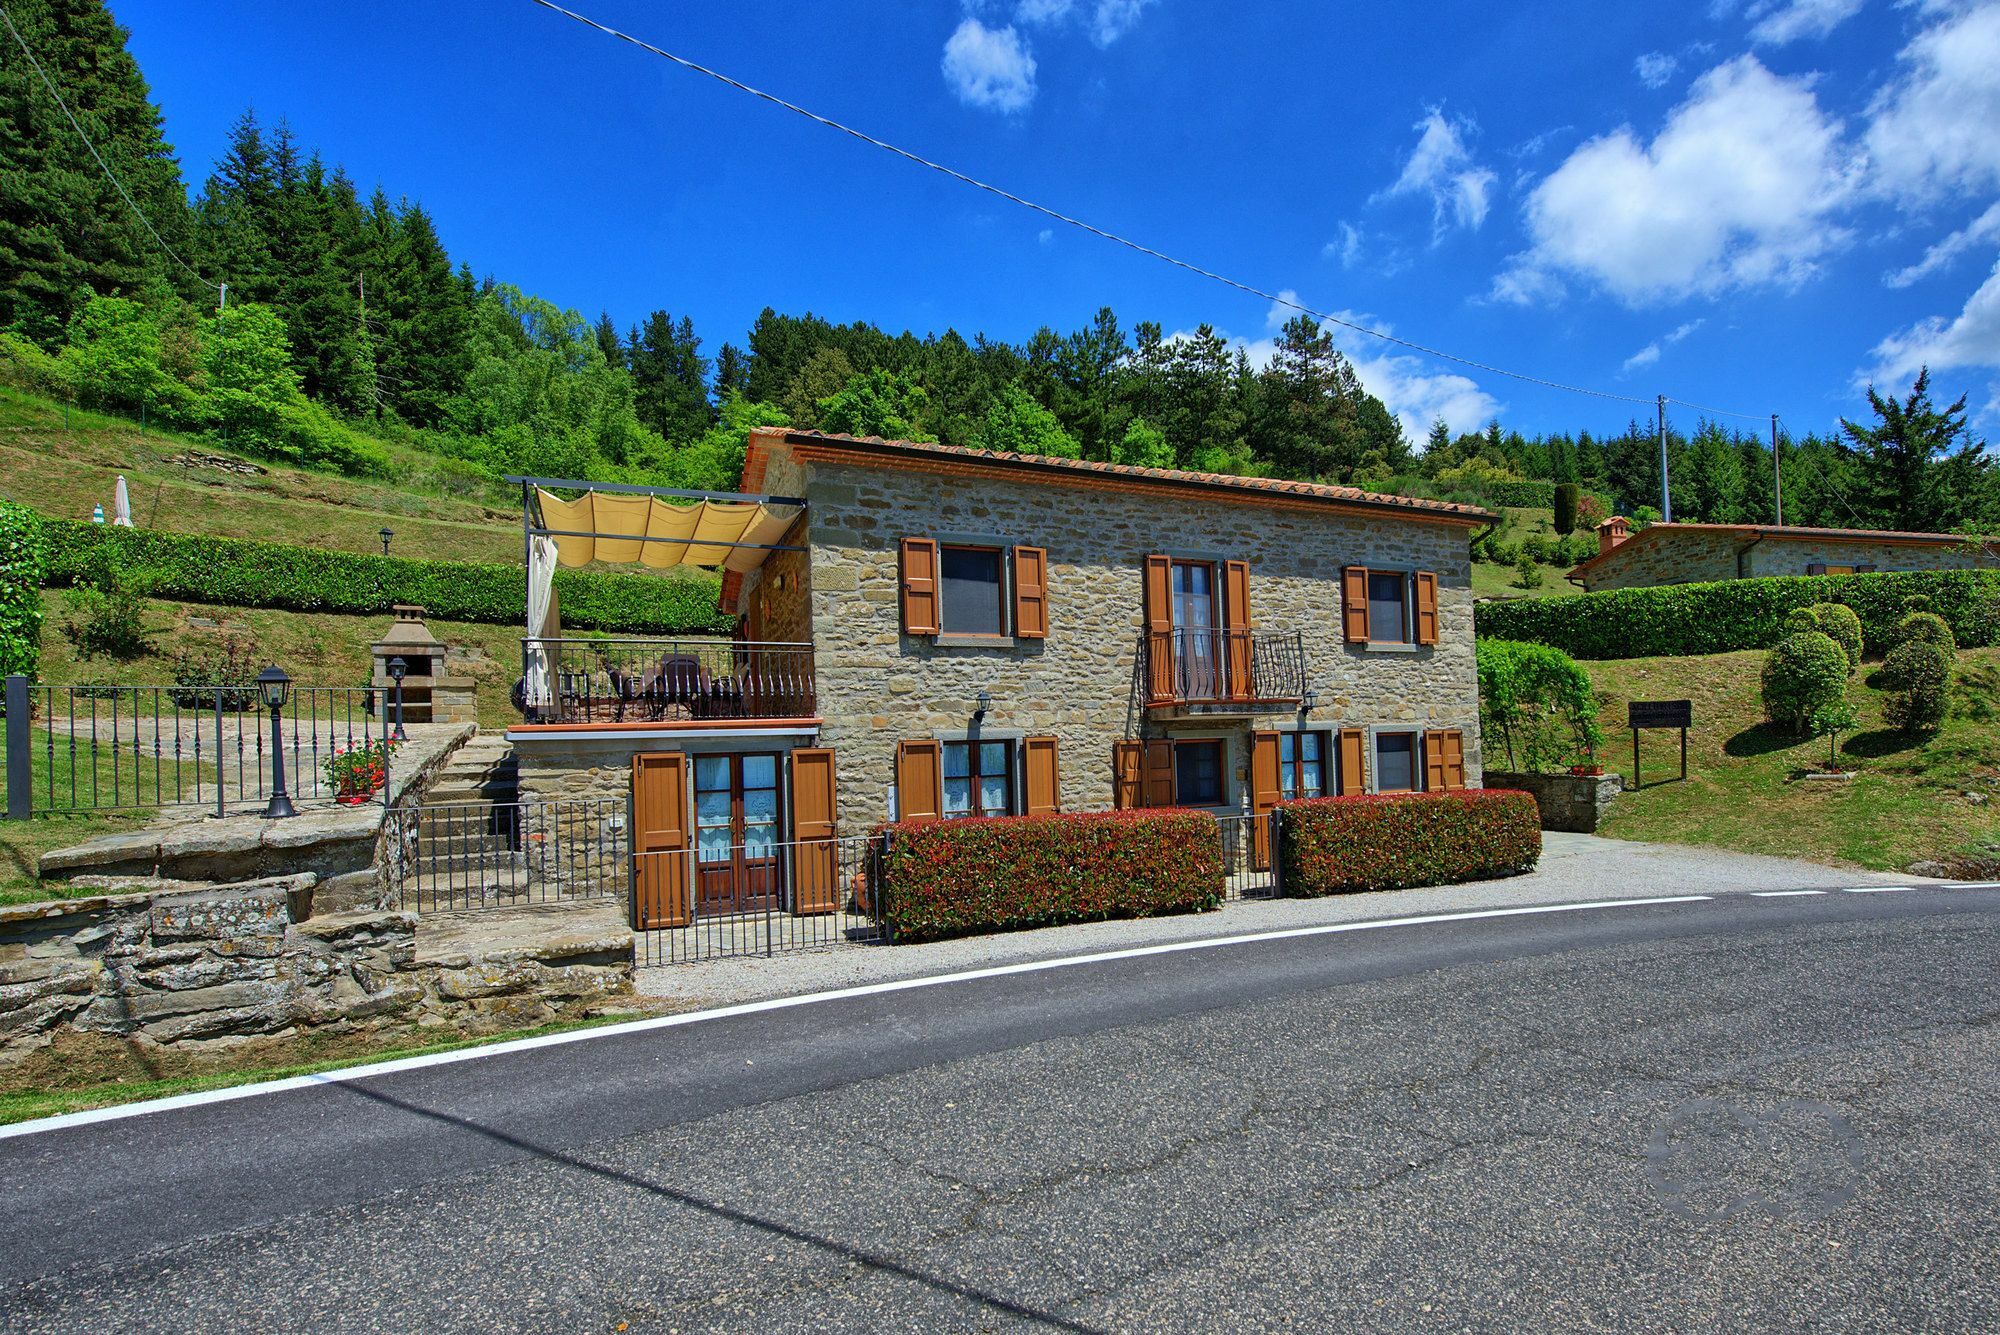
(978, 779)
(1198, 773)
(1301, 765)
(1399, 762)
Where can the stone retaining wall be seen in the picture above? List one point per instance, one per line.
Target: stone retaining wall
(1566, 802)
(210, 966)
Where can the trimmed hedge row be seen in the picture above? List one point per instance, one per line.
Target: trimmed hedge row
(1331, 845)
(238, 572)
(953, 878)
(1740, 613)
(23, 555)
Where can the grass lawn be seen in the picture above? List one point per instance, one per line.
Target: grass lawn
(81, 1071)
(23, 842)
(1913, 798)
(1492, 581)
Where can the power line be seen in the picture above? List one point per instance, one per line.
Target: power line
(1719, 412)
(103, 166)
(1080, 224)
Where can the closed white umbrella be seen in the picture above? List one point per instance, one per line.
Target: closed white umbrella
(121, 508)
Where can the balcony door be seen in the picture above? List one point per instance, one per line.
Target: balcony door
(1196, 620)
(736, 813)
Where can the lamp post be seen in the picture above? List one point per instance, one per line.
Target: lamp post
(397, 670)
(276, 688)
(386, 534)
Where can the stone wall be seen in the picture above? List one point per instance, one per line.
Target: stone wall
(1690, 557)
(576, 803)
(1695, 556)
(207, 966)
(779, 601)
(1565, 801)
(877, 686)
(1792, 556)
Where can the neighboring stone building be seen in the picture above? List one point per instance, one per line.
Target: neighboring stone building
(990, 634)
(1704, 553)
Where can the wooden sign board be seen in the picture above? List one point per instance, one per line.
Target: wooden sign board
(1659, 714)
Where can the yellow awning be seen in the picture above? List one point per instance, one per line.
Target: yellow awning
(652, 531)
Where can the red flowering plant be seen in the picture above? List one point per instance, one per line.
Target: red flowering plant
(358, 771)
(1333, 845)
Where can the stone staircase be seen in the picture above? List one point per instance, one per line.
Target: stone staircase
(469, 842)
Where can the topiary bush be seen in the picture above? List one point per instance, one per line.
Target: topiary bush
(1538, 704)
(1331, 845)
(952, 878)
(1739, 613)
(1925, 628)
(1805, 674)
(1839, 622)
(1919, 673)
(23, 566)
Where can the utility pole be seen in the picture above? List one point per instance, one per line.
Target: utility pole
(1666, 492)
(1778, 470)
(221, 312)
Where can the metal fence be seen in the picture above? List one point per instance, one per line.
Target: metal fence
(1249, 865)
(629, 681)
(762, 899)
(505, 854)
(77, 749)
(1196, 665)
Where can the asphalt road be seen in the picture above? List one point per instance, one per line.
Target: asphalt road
(1743, 1113)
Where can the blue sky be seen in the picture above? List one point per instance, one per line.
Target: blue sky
(1752, 204)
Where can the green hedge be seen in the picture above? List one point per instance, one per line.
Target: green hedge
(237, 572)
(953, 878)
(23, 558)
(1740, 613)
(1336, 844)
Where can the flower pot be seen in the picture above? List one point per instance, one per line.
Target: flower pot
(354, 799)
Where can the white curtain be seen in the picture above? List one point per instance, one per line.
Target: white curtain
(544, 623)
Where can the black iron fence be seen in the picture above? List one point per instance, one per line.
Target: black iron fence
(1199, 666)
(724, 901)
(1249, 856)
(505, 854)
(77, 749)
(650, 681)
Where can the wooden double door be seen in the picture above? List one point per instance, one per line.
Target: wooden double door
(737, 819)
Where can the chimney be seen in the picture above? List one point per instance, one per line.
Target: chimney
(1612, 532)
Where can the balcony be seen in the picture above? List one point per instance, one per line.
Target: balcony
(663, 682)
(1203, 671)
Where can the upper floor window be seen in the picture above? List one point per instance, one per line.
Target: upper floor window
(973, 592)
(1388, 607)
(1391, 607)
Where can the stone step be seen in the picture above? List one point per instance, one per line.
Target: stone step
(445, 794)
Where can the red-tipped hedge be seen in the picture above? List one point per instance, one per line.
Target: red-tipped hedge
(1337, 844)
(957, 877)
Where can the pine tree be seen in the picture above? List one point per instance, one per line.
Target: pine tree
(1903, 459)
(670, 377)
(607, 340)
(732, 373)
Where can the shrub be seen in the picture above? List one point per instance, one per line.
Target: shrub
(236, 572)
(1538, 704)
(1568, 497)
(1805, 674)
(106, 617)
(226, 665)
(1926, 628)
(1335, 844)
(952, 878)
(1838, 622)
(23, 564)
(1738, 614)
(1919, 674)
(1527, 575)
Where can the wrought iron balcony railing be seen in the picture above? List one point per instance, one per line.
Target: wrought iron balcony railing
(663, 681)
(1192, 666)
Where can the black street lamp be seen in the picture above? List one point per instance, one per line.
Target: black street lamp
(276, 688)
(386, 534)
(397, 670)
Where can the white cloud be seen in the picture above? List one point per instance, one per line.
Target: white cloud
(1645, 356)
(1046, 236)
(1044, 11)
(1411, 387)
(1776, 22)
(1972, 339)
(1442, 167)
(989, 67)
(1933, 133)
(1983, 229)
(1650, 354)
(1655, 68)
(1346, 247)
(1737, 190)
(1112, 19)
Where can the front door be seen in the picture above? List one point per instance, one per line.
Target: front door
(737, 867)
(1196, 651)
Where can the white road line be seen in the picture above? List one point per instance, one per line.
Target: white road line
(1873, 889)
(353, 1073)
(1782, 894)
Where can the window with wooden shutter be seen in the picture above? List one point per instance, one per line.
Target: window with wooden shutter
(1354, 604)
(1236, 628)
(1159, 610)
(1040, 777)
(660, 841)
(1031, 593)
(1159, 788)
(1450, 743)
(816, 878)
(1265, 790)
(1353, 762)
(919, 781)
(1816, 568)
(1437, 776)
(920, 586)
(1427, 607)
(1128, 775)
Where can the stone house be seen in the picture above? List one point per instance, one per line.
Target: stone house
(945, 633)
(1705, 553)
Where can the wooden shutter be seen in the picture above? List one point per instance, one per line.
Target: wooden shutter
(1236, 627)
(815, 868)
(1436, 773)
(1427, 607)
(1043, 785)
(1353, 761)
(1264, 795)
(1159, 607)
(1354, 604)
(920, 586)
(1159, 774)
(920, 781)
(1128, 775)
(659, 840)
(1452, 743)
(1031, 593)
